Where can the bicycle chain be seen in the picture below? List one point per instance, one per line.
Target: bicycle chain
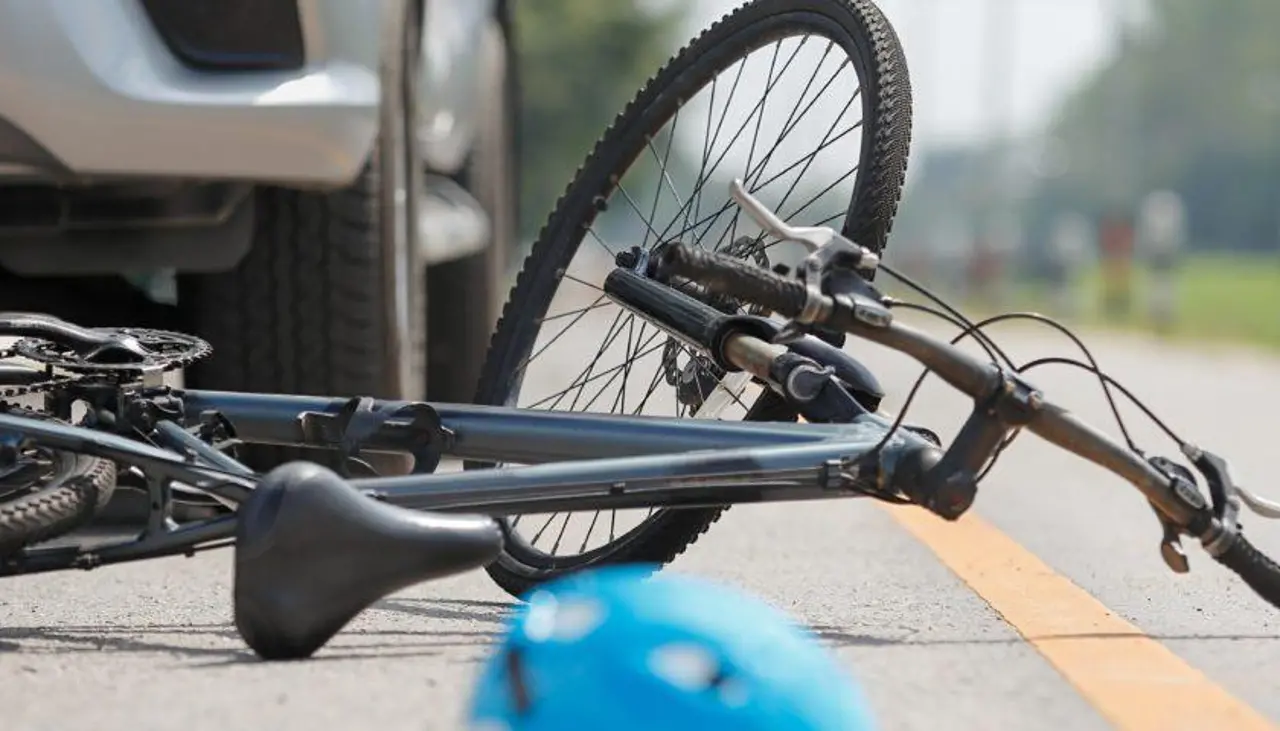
(54, 381)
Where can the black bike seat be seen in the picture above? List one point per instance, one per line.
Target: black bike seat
(312, 552)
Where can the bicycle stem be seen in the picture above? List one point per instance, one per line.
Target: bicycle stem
(993, 388)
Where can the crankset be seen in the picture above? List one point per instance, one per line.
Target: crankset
(117, 351)
(70, 353)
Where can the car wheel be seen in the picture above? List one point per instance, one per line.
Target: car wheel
(329, 299)
(464, 295)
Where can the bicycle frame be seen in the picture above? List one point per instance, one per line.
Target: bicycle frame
(583, 461)
(573, 462)
(568, 461)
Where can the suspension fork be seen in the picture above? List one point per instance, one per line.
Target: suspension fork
(823, 383)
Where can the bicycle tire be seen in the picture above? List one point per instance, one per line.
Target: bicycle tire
(78, 491)
(872, 45)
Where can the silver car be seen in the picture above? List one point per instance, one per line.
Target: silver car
(323, 189)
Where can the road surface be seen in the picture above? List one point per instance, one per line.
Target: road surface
(946, 627)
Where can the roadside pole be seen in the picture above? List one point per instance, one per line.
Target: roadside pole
(1115, 244)
(1071, 246)
(1162, 237)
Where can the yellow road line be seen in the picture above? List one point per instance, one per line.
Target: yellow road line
(1132, 680)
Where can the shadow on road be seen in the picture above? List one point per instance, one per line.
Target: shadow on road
(467, 610)
(219, 644)
(202, 645)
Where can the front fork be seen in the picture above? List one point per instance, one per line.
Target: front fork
(821, 382)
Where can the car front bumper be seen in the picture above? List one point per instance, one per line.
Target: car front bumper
(93, 90)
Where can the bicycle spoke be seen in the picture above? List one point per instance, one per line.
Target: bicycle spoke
(742, 65)
(618, 371)
(807, 160)
(592, 233)
(593, 378)
(544, 528)
(621, 312)
(793, 121)
(755, 136)
(666, 157)
(560, 536)
(752, 176)
(627, 196)
(702, 179)
(595, 516)
(520, 369)
(817, 196)
(653, 388)
(593, 306)
(621, 398)
(614, 332)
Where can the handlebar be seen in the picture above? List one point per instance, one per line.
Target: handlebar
(1000, 396)
(1254, 567)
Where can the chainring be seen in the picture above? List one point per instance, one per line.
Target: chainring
(166, 351)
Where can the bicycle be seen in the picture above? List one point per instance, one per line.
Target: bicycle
(314, 546)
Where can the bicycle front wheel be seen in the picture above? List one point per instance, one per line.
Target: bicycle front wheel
(809, 103)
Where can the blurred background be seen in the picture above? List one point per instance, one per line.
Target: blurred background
(1112, 162)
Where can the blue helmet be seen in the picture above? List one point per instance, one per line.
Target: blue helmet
(607, 649)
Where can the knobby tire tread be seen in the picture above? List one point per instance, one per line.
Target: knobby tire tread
(50, 513)
(300, 314)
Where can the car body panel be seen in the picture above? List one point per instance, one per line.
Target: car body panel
(451, 80)
(93, 87)
(93, 98)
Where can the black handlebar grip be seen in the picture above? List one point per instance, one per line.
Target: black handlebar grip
(1254, 567)
(737, 278)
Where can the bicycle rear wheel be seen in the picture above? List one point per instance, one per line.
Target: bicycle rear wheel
(851, 176)
(46, 493)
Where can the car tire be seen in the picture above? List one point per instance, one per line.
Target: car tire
(465, 295)
(312, 308)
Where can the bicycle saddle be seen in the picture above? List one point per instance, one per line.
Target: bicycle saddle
(312, 552)
(95, 344)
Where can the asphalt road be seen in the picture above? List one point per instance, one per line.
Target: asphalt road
(936, 645)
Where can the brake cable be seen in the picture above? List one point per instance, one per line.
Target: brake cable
(1256, 503)
(975, 330)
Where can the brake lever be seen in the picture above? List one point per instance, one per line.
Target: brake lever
(827, 248)
(1227, 495)
(825, 244)
(1218, 474)
(1224, 489)
(1259, 505)
(1227, 498)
